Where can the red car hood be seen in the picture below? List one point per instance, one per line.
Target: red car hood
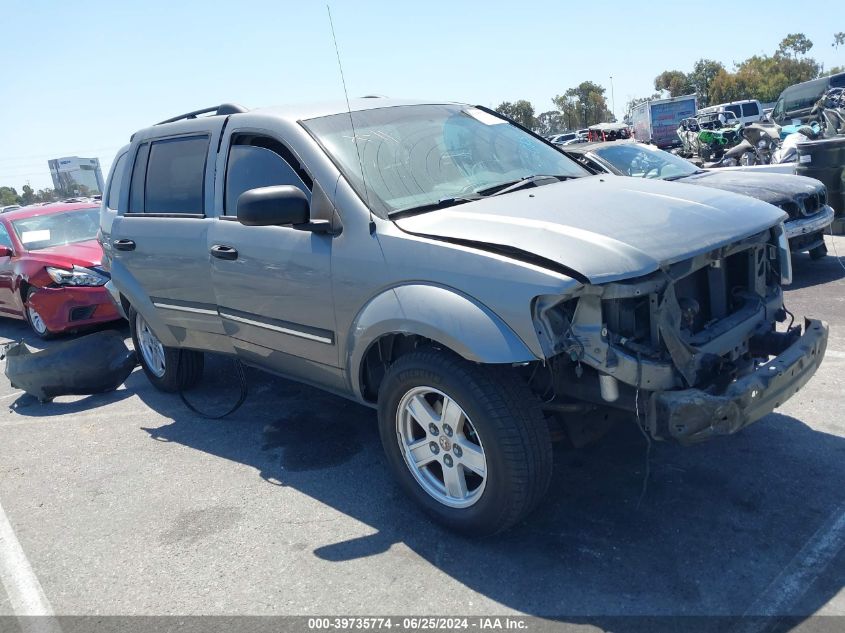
(88, 253)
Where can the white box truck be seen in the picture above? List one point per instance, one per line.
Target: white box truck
(657, 121)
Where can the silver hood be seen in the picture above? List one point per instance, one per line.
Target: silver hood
(605, 228)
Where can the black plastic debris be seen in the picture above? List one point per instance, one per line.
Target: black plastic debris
(96, 363)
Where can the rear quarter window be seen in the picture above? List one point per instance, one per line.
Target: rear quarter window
(116, 183)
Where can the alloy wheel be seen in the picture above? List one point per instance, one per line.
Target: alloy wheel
(151, 348)
(37, 322)
(441, 447)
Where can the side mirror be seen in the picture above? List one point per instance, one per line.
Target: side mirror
(6, 251)
(273, 206)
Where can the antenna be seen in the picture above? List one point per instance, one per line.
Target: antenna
(352, 123)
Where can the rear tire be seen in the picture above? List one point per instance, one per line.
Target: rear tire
(494, 421)
(168, 369)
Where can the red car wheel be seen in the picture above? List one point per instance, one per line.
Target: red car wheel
(38, 325)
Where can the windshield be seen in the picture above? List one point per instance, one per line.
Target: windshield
(416, 156)
(645, 162)
(57, 229)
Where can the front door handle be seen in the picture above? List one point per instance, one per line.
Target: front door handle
(124, 245)
(221, 251)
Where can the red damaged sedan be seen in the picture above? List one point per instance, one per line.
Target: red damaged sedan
(49, 268)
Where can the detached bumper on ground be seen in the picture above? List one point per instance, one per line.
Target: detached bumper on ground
(71, 307)
(693, 415)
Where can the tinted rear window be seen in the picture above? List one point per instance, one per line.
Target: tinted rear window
(176, 175)
(750, 109)
(803, 95)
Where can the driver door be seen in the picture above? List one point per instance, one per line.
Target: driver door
(272, 283)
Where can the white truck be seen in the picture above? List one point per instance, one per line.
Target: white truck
(656, 121)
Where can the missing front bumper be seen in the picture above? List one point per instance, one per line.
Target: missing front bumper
(694, 415)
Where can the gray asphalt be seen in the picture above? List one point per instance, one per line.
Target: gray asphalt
(127, 503)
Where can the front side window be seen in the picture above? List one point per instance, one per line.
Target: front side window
(176, 176)
(420, 155)
(251, 166)
(644, 162)
(57, 229)
(735, 109)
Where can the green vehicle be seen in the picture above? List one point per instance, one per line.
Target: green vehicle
(709, 135)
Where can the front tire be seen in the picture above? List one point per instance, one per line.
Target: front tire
(36, 322)
(818, 252)
(467, 442)
(168, 369)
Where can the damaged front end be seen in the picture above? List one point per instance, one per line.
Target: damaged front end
(693, 349)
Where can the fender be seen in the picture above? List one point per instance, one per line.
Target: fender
(127, 286)
(454, 320)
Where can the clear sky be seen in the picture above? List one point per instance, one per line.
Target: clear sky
(79, 77)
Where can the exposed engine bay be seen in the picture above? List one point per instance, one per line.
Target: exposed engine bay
(693, 330)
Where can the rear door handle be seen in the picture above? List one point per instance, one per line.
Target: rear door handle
(221, 251)
(124, 245)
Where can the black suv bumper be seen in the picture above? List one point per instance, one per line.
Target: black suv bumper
(693, 415)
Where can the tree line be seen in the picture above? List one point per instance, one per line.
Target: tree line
(578, 107)
(761, 77)
(10, 195)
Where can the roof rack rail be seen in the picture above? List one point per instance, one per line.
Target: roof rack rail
(220, 110)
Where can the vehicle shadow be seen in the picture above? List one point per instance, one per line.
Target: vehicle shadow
(718, 522)
(808, 272)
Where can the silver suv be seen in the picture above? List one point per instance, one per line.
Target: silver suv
(458, 273)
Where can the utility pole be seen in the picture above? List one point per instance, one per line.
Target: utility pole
(612, 97)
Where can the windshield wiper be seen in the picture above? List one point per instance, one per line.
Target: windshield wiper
(679, 176)
(493, 190)
(443, 203)
(514, 185)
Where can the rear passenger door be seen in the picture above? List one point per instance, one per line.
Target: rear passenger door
(273, 283)
(159, 237)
